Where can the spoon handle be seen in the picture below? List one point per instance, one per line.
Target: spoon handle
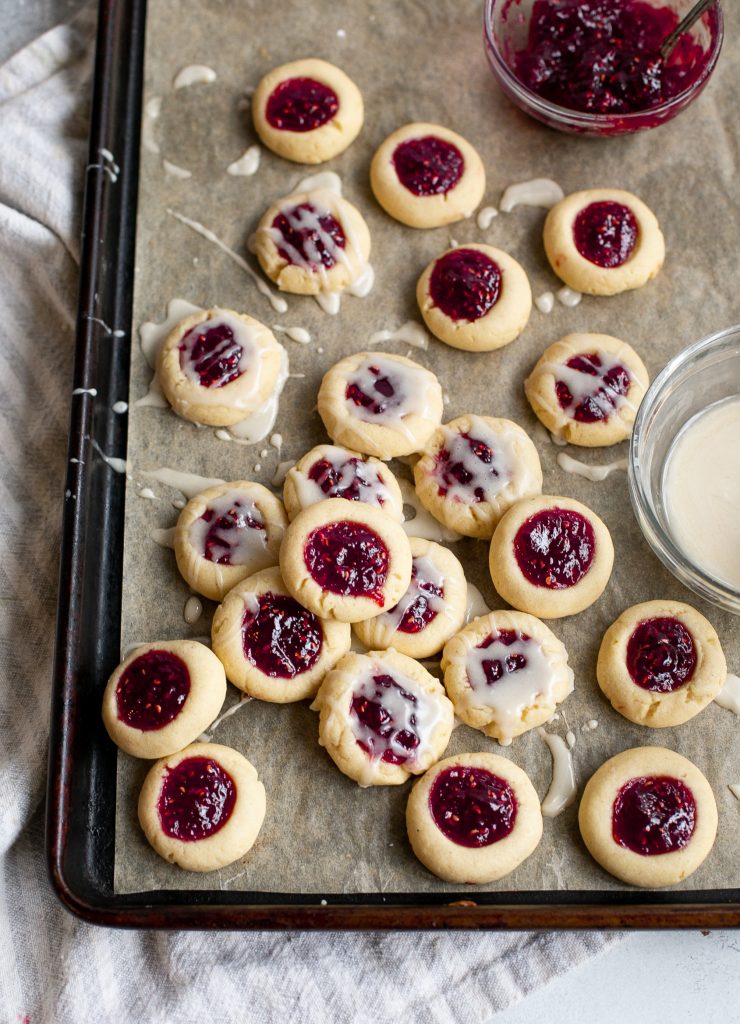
(666, 47)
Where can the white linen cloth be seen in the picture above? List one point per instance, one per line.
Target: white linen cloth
(54, 968)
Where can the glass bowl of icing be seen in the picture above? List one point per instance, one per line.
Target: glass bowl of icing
(684, 467)
(593, 67)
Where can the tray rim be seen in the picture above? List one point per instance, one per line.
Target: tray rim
(106, 287)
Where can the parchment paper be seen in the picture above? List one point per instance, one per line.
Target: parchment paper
(412, 61)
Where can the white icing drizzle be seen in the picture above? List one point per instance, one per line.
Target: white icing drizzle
(276, 440)
(423, 524)
(411, 392)
(486, 217)
(328, 180)
(154, 398)
(165, 538)
(153, 334)
(206, 737)
(590, 725)
(193, 610)
(562, 791)
(729, 696)
(298, 334)
(475, 605)
(411, 333)
(592, 386)
(176, 172)
(557, 440)
(188, 484)
(424, 571)
(148, 493)
(568, 297)
(330, 302)
(570, 738)
(118, 333)
(305, 219)
(490, 478)
(247, 164)
(595, 473)
(116, 464)
(734, 788)
(244, 336)
(120, 407)
(517, 689)
(341, 34)
(108, 165)
(245, 538)
(276, 301)
(152, 110)
(366, 475)
(545, 302)
(193, 74)
(543, 192)
(363, 283)
(281, 472)
(85, 391)
(420, 716)
(258, 424)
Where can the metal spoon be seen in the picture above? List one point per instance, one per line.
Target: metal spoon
(666, 47)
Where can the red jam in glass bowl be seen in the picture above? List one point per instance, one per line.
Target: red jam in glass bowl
(595, 66)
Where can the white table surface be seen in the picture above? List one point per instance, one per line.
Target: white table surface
(655, 977)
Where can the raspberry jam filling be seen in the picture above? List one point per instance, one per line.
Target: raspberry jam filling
(307, 237)
(661, 656)
(605, 234)
(231, 531)
(428, 166)
(387, 717)
(351, 479)
(348, 558)
(603, 56)
(467, 470)
(653, 814)
(465, 284)
(301, 105)
(281, 638)
(594, 388)
(152, 690)
(196, 799)
(554, 548)
(211, 355)
(472, 806)
(374, 390)
(502, 663)
(424, 599)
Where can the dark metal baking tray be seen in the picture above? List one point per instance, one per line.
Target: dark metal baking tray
(82, 760)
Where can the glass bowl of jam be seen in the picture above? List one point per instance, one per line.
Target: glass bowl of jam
(684, 467)
(594, 67)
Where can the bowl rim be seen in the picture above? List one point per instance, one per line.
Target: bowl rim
(585, 119)
(687, 571)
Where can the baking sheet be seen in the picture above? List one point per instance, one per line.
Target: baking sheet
(412, 61)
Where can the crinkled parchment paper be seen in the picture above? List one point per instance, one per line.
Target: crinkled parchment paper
(412, 61)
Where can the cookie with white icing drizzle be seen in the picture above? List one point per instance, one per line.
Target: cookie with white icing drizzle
(307, 111)
(587, 388)
(383, 717)
(345, 560)
(473, 469)
(162, 696)
(473, 818)
(425, 175)
(203, 807)
(226, 533)
(506, 673)
(311, 242)
(431, 610)
(380, 404)
(550, 556)
(218, 367)
(328, 471)
(648, 816)
(603, 241)
(271, 647)
(660, 663)
(475, 297)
